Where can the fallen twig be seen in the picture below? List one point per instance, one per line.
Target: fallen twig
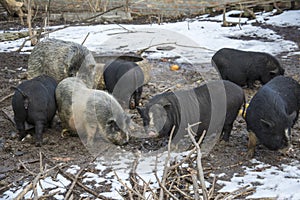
(195, 184)
(24, 166)
(147, 186)
(46, 196)
(127, 187)
(88, 190)
(212, 189)
(166, 168)
(32, 185)
(6, 97)
(199, 156)
(85, 38)
(239, 192)
(164, 189)
(73, 183)
(75, 179)
(70, 177)
(11, 184)
(183, 193)
(25, 190)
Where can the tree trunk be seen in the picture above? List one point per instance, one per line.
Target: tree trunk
(31, 31)
(13, 7)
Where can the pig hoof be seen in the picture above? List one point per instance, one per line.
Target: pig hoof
(21, 138)
(288, 152)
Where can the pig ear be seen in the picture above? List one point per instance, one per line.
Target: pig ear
(129, 117)
(274, 72)
(111, 121)
(269, 124)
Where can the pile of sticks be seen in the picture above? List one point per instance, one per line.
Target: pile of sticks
(48, 168)
(182, 179)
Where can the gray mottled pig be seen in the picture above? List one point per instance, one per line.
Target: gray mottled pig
(89, 112)
(61, 59)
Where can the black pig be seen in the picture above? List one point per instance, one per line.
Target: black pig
(34, 102)
(215, 105)
(245, 67)
(272, 113)
(124, 80)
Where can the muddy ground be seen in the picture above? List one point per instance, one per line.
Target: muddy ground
(227, 158)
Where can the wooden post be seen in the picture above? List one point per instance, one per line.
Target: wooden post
(225, 23)
(31, 31)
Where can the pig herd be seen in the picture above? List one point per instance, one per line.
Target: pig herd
(271, 113)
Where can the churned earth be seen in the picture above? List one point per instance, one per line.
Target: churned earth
(18, 158)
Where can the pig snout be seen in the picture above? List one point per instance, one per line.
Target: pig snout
(120, 138)
(151, 132)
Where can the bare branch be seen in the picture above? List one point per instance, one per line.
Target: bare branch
(126, 186)
(85, 38)
(24, 166)
(199, 163)
(73, 184)
(195, 184)
(166, 168)
(6, 97)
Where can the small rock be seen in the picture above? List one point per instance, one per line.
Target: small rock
(3, 182)
(19, 153)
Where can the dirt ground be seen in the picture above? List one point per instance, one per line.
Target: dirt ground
(227, 158)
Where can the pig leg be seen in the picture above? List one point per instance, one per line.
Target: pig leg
(251, 144)
(91, 131)
(135, 98)
(250, 84)
(226, 132)
(21, 129)
(39, 128)
(138, 94)
(132, 101)
(50, 123)
(288, 151)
